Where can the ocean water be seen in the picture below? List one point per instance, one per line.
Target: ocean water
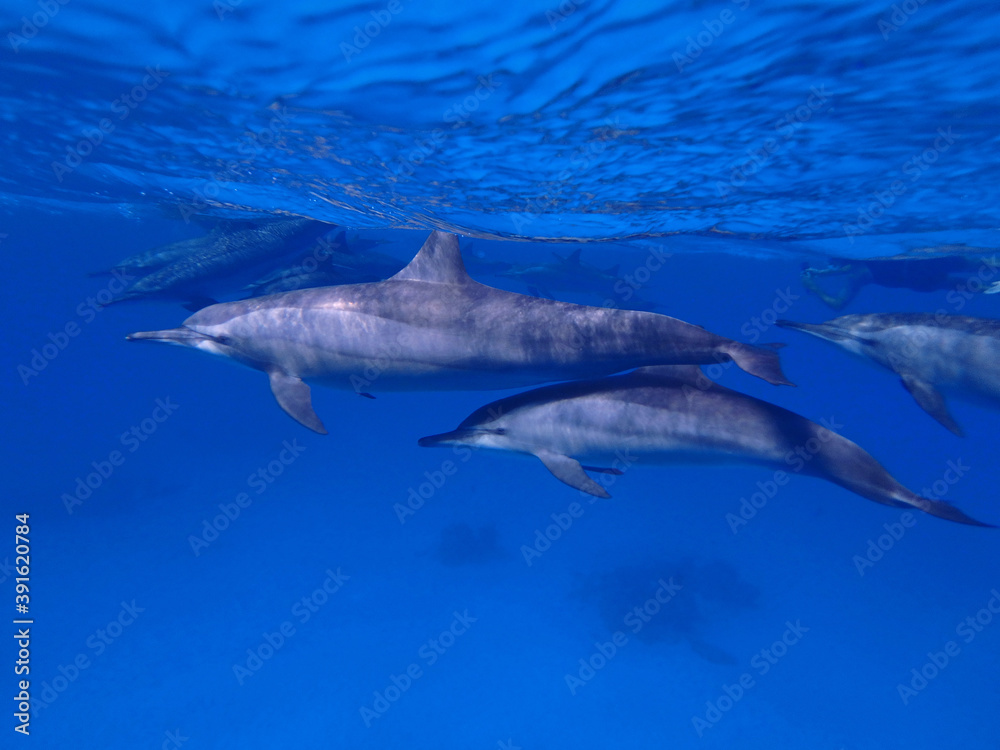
(233, 580)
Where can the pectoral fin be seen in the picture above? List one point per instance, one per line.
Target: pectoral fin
(295, 398)
(931, 401)
(569, 471)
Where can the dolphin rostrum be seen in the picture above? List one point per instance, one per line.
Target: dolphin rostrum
(928, 351)
(431, 327)
(673, 414)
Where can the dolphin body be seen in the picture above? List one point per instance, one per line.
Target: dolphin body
(564, 273)
(431, 327)
(927, 351)
(226, 258)
(342, 263)
(673, 414)
(570, 274)
(148, 261)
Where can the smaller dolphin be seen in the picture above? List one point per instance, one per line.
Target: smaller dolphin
(339, 263)
(150, 260)
(672, 414)
(927, 351)
(224, 259)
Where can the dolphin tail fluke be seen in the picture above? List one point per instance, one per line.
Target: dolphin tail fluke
(944, 510)
(295, 398)
(847, 464)
(764, 363)
(569, 471)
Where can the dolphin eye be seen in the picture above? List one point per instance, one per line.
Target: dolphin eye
(500, 431)
(224, 340)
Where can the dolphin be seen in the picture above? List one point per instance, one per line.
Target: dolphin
(673, 414)
(431, 327)
(927, 351)
(341, 263)
(228, 258)
(148, 261)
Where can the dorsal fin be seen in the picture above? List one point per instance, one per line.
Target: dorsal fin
(574, 257)
(439, 260)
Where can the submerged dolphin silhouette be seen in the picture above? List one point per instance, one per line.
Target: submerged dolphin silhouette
(674, 414)
(927, 351)
(227, 258)
(431, 327)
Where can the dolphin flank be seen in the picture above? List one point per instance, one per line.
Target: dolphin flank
(674, 414)
(927, 351)
(431, 327)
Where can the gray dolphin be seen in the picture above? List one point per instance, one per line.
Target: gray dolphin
(225, 259)
(928, 351)
(431, 327)
(673, 414)
(149, 260)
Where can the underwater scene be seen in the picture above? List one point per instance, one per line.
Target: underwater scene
(607, 375)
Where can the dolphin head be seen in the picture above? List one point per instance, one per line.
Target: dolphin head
(217, 329)
(485, 436)
(847, 331)
(184, 336)
(488, 427)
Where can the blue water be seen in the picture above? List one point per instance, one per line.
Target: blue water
(790, 132)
